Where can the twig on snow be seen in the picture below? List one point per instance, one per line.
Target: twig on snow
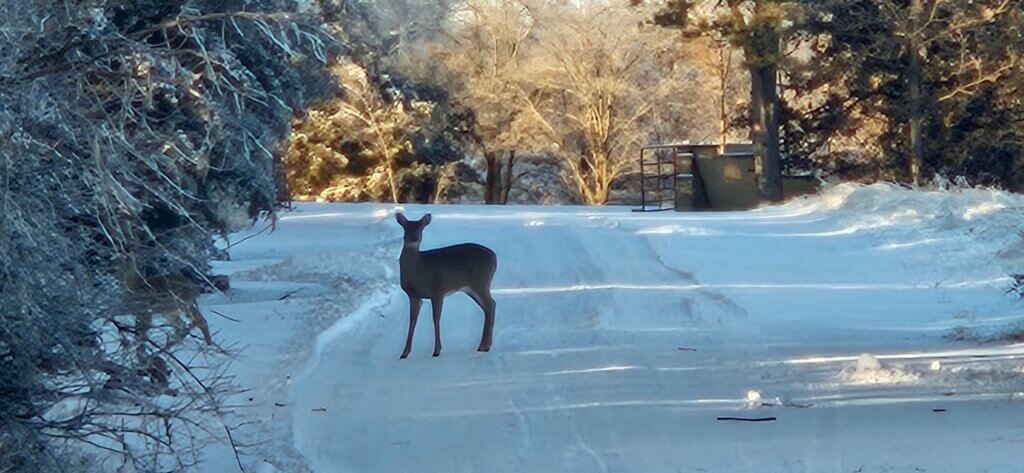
(289, 294)
(222, 315)
(746, 419)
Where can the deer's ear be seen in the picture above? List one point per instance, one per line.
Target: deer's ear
(425, 219)
(401, 219)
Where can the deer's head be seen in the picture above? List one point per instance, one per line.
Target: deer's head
(413, 229)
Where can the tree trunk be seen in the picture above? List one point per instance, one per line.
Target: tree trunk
(914, 79)
(725, 61)
(589, 187)
(507, 183)
(723, 125)
(444, 177)
(283, 194)
(602, 178)
(492, 182)
(916, 120)
(392, 180)
(764, 130)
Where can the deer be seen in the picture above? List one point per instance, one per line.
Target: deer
(434, 274)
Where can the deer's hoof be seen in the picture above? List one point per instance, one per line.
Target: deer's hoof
(484, 349)
(404, 356)
(437, 354)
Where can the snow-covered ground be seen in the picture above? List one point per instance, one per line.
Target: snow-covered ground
(850, 317)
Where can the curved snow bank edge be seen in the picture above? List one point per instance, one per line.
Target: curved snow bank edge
(376, 300)
(967, 203)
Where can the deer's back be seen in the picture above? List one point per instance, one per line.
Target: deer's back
(455, 267)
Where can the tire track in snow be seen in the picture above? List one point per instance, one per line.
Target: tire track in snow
(582, 268)
(690, 278)
(525, 437)
(584, 446)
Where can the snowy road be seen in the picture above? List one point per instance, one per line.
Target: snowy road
(621, 336)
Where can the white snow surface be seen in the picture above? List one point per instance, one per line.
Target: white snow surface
(621, 336)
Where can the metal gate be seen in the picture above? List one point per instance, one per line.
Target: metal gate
(658, 174)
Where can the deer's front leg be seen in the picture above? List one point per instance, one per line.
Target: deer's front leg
(414, 313)
(436, 303)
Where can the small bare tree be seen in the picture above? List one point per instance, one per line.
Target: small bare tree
(383, 125)
(722, 77)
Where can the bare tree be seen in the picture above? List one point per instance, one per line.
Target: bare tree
(583, 82)
(759, 28)
(598, 81)
(722, 77)
(479, 62)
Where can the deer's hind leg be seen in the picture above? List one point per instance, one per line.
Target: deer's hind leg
(483, 299)
(437, 302)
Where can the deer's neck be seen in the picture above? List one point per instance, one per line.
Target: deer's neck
(410, 255)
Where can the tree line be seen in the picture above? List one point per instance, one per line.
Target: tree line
(867, 90)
